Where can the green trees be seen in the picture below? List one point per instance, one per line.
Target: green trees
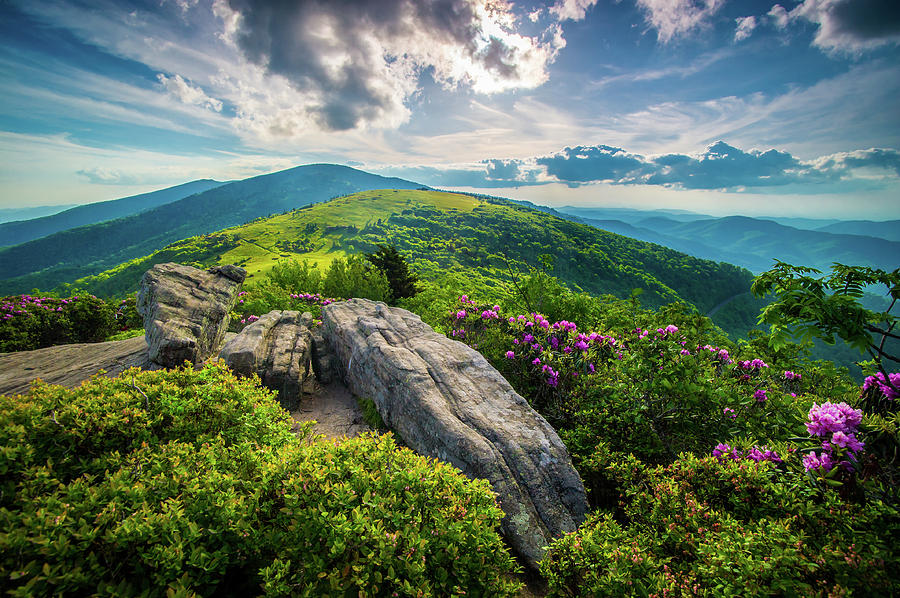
(391, 263)
(829, 306)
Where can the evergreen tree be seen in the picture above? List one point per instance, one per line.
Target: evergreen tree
(388, 260)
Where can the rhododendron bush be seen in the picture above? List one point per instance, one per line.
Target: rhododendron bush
(716, 468)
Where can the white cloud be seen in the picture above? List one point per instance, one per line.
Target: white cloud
(780, 16)
(356, 65)
(673, 18)
(187, 93)
(302, 71)
(574, 10)
(846, 25)
(53, 169)
(745, 27)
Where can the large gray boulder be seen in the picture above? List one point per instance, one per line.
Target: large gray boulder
(446, 401)
(277, 348)
(186, 310)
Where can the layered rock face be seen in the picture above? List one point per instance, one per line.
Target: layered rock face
(446, 401)
(186, 310)
(277, 348)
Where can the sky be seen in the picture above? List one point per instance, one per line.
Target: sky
(756, 107)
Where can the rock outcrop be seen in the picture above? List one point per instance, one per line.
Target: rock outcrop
(186, 310)
(277, 347)
(446, 401)
(70, 365)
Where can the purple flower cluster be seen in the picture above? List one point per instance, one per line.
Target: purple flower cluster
(756, 364)
(315, 298)
(539, 344)
(22, 306)
(724, 452)
(721, 355)
(836, 424)
(879, 382)
(789, 375)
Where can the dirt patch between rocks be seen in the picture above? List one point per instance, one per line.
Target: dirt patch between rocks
(333, 407)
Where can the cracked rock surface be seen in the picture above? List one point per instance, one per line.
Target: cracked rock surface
(446, 401)
(277, 348)
(185, 310)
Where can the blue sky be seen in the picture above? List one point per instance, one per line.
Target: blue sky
(719, 106)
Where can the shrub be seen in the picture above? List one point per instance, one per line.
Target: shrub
(702, 526)
(181, 482)
(297, 285)
(28, 322)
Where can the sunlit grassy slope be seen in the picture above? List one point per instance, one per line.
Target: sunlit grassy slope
(440, 232)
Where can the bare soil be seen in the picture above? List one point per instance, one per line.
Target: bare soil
(334, 409)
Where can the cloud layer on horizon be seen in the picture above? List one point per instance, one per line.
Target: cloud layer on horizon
(720, 167)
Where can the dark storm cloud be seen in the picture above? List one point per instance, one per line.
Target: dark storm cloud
(846, 24)
(345, 51)
(866, 19)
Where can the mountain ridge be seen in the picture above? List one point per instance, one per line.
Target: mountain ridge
(22, 231)
(74, 253)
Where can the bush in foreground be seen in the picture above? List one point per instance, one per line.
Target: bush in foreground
(191, 483)
(708, 527)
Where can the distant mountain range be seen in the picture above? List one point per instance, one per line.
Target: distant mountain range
(14, 233)
(753, 243)
(13, 214)
(70, 254)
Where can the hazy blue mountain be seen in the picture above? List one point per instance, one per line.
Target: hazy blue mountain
(14, 233)
(64, 256)
(13, 214)
(755, 243)
(631, 215)
(752, 243)
(806, 223)
(889, 229)
(689, 246)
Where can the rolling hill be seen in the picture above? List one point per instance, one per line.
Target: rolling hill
(14, 233)
(64, 256)
(481, 239)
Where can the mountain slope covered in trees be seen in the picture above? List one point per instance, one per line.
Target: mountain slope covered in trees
(67, 255)
(486, 241)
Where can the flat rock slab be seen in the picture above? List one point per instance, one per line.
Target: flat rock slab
(277, 348)
(186, 310)
(70, 365)
(446, 401)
